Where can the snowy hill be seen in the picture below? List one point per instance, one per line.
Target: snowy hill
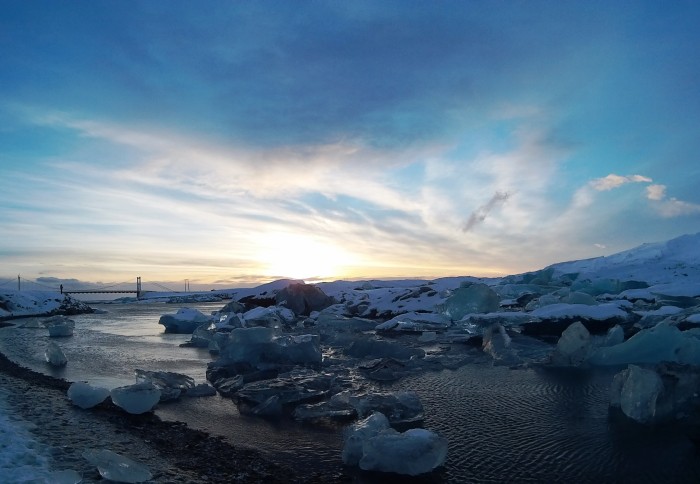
(655, 263)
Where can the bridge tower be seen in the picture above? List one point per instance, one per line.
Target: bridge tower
(138, 287)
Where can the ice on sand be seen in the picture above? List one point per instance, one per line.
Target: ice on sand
(85, 395)
(54, 355)
(116, 467)
(136, 399)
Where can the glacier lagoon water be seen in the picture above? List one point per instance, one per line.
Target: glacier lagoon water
(518, 425)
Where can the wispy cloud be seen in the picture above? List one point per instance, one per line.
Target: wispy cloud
(614, 181)
(480, 214)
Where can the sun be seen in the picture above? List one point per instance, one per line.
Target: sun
(297, 256)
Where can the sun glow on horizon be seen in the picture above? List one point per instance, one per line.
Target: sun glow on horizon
(301, 257)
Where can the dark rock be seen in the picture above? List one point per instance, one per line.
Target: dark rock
(303, 298)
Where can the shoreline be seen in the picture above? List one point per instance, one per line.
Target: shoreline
(176, 452)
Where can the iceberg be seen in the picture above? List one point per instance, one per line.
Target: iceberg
(185, 321)
(54, 355)
(86, 396)
(136, 399)
(116, 467)
(358, 433)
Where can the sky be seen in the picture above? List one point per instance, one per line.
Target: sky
(234, 143)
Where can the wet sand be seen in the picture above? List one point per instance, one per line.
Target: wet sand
(173, 452)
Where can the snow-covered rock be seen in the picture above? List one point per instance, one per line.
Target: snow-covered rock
(303, 298)
(39, 303)
(85, 395)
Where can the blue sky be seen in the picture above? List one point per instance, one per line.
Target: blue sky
(236, 142)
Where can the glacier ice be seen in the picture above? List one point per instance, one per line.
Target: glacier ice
(573, 347)
(663, 342)
(171, 384)
(374, 446)
(85, 395)
(269, 317)
(496, 343)
(636, 390)
(59, 326)
(667, 391)
(54, 355)
(414, 452)
(358, 433)
(116, 467)
(184, 321)
(471, 298)
(136, 399)
(257, 346)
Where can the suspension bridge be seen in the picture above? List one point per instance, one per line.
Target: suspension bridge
(69, 287)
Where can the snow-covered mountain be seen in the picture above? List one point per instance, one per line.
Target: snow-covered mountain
(655, 263)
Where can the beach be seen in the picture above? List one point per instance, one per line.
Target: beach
(173, 452)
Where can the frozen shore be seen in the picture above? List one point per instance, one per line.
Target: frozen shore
(173, 452)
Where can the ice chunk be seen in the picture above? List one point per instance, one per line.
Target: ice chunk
(496, 343)
(576, 297)
(399, 407)
(370, 348)
(256, 346)
(472, 298)
(54, 355)
(269, 317)
(272, 407)
(669, 391)
(201, 390)
(615, 336)
(357, 434)
(639, 390)
(86, 396)
(68, 476)
(573, 347)
(185, 321)
(414, 452)
(60, 326)
(136, 399)
(427, 336)
(663, 342)
(171, 385)
(116, 467)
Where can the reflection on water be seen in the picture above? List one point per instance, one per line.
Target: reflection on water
(526, 425)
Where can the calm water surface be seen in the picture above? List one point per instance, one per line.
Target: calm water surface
(503, 425)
